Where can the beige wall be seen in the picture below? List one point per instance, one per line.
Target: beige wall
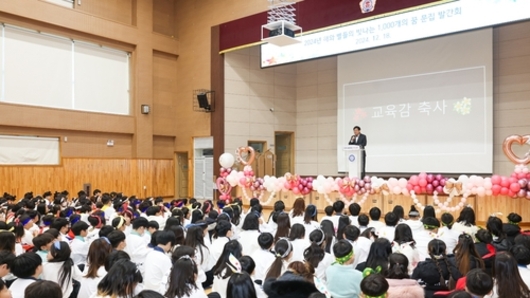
(250, 92)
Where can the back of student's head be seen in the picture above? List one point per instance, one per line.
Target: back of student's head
(342, 248)
(25, 265)
(297, 232)
(521, 254)
(378, 254)
(165, 237)
(494, 226)
(447, 220)
(398, 266)
(478, 282)
(520, 239)
(459, 294)
(121, 280)
(222, 228)
(42, 240)
(98, 253)
(338, 206)
(78, 227)
(283, 249)
(140, 222)
(375, 213)
(182, 278)
(114, 257)
(43, 288)
(484, 236)
(265, 240)
(116, 237)
(391, 219)
(430, 223)
(351, 233)
(374, 285)
(251, 222)
(354, 209)
(247, 264)
(279, 206)
(343, 222)
(104, 231)
(514, 218)
(240, 285)
(467, 216)
(363, 220)
(6, 258)
(328, 210)
(59, 223)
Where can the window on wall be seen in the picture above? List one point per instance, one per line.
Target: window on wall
(65, 3)
(51, 71)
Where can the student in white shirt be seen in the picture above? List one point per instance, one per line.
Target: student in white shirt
(107, 208)
(338, 208)
(136, 245)
(158, 263)
(329, 230)
(387, 231)
(284, 252)
(195, 238)
(363, 221)
(120, 281)
(316, 255)
(183, 280)
(248, 237)
(375, 215)
(263, 257)
(361, 245)
(447, 234)
(245, 283)
(310, 221)
(41, 288)
(61, 269)
(403, 242)
(79, 245)
(42, 244)
(423, 238)
(414, 221)
(279, 207)
(94, 271)
(296, 215)
(25, 224)
(522, 256)
(96, 221)
(117, 240)
(328, 210)
(354, 210)
(298, 241)
(221, 271)
(27, 268)
(223, 232)
(156, 213)
(466, 222)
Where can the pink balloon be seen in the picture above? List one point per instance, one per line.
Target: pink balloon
(442, 181)
(422, 175)
(521, 193)
(417, 189)
(430, 178)
(361, 183)
(414, 180)
(496, 189)
(515, 187)
(300, 186)
(438, 177)
(496, 180)
(429, 189)
(368, 186)
(504, 191)
(296, 190)
(435, 183)
(367, 179)
(512, 179)
(396, 190)
(523, 182)
(505, 182)
(489, 192)
(439, 189)
(481, 191)
(410, 187)
(422, 182)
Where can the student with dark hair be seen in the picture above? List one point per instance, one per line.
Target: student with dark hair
(96, 221)
(61, 269)
(423, 237)
(223, 232)
(361, 245)
(154, 213)
(119, 223)
(263, 257)
(327, 227)
(522, 256)
(94, 271)
(297, 212)
(377, 256)
(43, 288)
(27, 267)
(283, 252)
(279, 207)
(375, 216)
(400, 213)
(42, 244)
(115, 256)
(328, 210)
(400, 284)
(404, 243)
(310, 221)
(316, 255)
(136, 243)
(363, 221)
(195, 238)
(248, 237)
(374, 285)
(221, 270)
(446, 232)
(61, 225)
(414, 221)
(284, 226)
(391, 220)
(342, 279)
(149, 294)
(511, 228)
(6, 262)
(478, 283)
(437, 273)
(342, 223)
(500, 242)
(298, 241)
(241, 285)
(117, 240)
(79, 245)
(485, 250)
(120, 281)
(465, 223)
(354, 210)
(338, 209)
(428, 211)
(507, 280)
(183, 280)
(105, 231)
(466, 255)
(158, 263)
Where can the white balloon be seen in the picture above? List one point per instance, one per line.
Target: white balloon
(226, 160)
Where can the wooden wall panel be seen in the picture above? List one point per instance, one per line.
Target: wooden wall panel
(164, 14)
(121, 175)
(164, 93)
(116, 10)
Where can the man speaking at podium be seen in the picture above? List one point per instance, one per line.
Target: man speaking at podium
(359, 139)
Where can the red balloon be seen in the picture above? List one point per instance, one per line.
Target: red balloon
(496, 179)
(515, 187)
(504, 191)
(496, 189)
(505, 182)
(512, 179)
(417, 189)
(435, 183)
(414, 180)
(422, 182)
(410, 186)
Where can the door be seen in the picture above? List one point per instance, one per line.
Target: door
(284, 147)
(181, 177)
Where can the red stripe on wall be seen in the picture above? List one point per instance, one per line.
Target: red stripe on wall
(311, 15)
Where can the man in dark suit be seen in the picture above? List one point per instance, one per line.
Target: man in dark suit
(359, 139)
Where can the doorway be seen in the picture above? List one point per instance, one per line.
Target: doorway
(284, 149)
(181, 175)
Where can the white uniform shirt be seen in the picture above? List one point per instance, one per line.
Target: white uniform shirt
(157, 268)
(79, 247)
(89, 286)
(216, 249)
(52, 270)
(137, 249)
(249, 241)
(18, 287)
(263, 259)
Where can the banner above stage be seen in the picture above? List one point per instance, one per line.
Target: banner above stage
(445, 18)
